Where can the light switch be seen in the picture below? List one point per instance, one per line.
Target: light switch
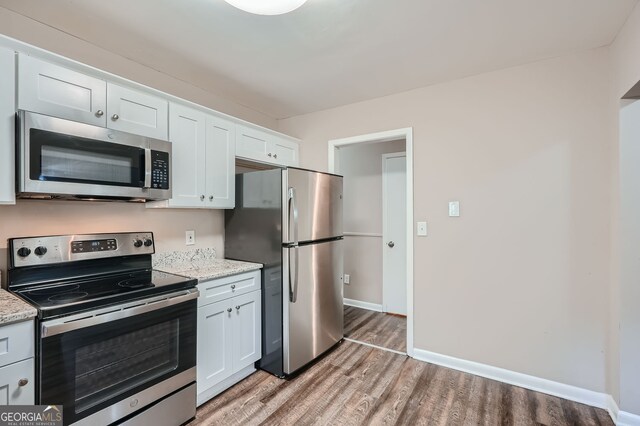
(454, 208)
(190, 237)
(422, 229)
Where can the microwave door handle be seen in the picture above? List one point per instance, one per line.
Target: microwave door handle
(147, 168)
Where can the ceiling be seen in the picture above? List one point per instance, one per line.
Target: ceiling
(331, 52)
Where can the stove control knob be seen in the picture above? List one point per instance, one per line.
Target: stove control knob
(40, 251)
(147, 242)
(137, 243)
(24, 252)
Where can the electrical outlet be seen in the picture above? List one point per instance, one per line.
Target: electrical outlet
(347, 277)
(422, 229)
(190, 237)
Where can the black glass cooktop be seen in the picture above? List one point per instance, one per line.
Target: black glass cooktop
(75, 296)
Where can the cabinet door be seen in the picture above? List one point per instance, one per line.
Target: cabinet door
(17, 383)
(53, 90)
(188, 162)
(7, 126)
(221, 160)
(246, 330)
(285, 152)
(252, 144)
(214, 353)
(136, 112)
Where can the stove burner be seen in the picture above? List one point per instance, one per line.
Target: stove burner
(135, 283)
(69, 297)
(53, 290)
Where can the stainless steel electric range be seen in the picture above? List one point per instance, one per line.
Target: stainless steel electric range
(116, 340)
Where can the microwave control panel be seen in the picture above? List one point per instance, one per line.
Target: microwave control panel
(159, 170)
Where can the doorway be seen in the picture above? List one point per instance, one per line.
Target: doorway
(378, 229)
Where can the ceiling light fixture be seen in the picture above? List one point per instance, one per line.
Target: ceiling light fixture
(267, 7)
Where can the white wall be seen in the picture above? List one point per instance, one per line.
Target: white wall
(625, 327)
(521, 279)
(361, 166)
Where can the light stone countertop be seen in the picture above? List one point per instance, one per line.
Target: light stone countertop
(14, 309)
(200, 264)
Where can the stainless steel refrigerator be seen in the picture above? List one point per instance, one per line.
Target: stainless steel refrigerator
(290, 220)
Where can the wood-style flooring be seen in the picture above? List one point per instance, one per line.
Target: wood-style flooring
(376, 328)
(361, 385)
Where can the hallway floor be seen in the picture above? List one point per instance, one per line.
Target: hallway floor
(376, 328)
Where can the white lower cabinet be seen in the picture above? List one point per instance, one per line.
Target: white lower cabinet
(229, 339)
(17, 383)
(17, 343)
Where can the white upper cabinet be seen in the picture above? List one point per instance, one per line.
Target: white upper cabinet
(7, 126)
(258, 145)
(188, 174)
(53, 90)
(221, 165)
(203, 162)
(252, 144)
(136, 112)
(285, 152)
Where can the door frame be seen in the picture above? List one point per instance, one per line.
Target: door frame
(388, 136)
(385, 213)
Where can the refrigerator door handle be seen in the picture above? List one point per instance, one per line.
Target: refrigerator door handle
(293, 293)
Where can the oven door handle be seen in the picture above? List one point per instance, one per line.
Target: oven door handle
(113, 313)
(147, 168)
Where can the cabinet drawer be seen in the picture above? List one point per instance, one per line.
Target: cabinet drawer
(16, 342)
(223, 288)
(11, 378)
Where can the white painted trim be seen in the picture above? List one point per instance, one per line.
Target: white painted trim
(363, 305)
(371, 345)
(549, 387)
(385, 231)
(612, 409)
(391, 135)
(361, 234)
(627, 419)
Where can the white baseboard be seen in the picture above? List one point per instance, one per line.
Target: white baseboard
(561, 390)
(628, 419)
(363, 305)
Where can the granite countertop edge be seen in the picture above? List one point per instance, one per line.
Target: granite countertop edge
(211, 269)
(13, 309)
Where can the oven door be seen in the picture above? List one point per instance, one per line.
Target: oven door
(105, 365)
(63, 158)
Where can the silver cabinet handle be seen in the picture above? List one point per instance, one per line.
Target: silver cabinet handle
(99, 113)
(275, 155)
(229, 310)
(202, 198)
(237, 307)
(23, 382)
(233, 286)
(391, 244)
(269, 154)
(210, 197)
(114, 117)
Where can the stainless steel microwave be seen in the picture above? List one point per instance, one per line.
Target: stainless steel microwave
(58, 158)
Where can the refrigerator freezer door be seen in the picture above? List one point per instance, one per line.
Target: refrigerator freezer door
(317, 197)
(314, 323)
